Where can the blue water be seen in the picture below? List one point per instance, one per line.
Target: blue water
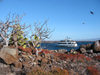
(53, 46)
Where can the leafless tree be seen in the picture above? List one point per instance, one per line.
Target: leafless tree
(8, 27)
(5, 30)
(42, 32)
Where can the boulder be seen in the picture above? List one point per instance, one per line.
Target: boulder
(1, 45)
(87, 46)
(44, 61)
(11, 74)
(83, 50)
(96, 46)
(18, 64)
(72, 50)
(9, 55)
(90, 51)
(62, 51)
(26, 64)
(4, 69)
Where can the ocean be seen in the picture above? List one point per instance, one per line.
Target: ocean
(53, 46)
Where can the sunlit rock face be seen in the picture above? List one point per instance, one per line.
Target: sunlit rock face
(9, 55)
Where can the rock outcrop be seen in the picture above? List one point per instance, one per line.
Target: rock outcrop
(48, 62)
(9, 55)
(83, 50)
(87, 46)
(96, 46)
(90, 48)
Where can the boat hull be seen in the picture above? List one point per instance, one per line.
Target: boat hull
(67, 45)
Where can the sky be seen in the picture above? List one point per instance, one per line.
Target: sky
(70, 18)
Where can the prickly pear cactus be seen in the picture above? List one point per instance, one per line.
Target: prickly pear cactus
(35, 42)
(20, 39)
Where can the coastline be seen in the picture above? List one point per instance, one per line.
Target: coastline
(59, 41)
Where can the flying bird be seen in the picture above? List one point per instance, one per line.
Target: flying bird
(83, 23)
(91, 12)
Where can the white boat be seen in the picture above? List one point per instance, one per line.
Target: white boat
(67, 43)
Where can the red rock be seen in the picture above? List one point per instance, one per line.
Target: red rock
(45, 51)
(72, 57)
(28, 50)
(97, 58)
(92, 70)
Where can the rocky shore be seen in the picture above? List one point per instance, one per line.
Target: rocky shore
(84, 61)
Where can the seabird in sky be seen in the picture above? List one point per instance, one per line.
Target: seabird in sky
(92, 12)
